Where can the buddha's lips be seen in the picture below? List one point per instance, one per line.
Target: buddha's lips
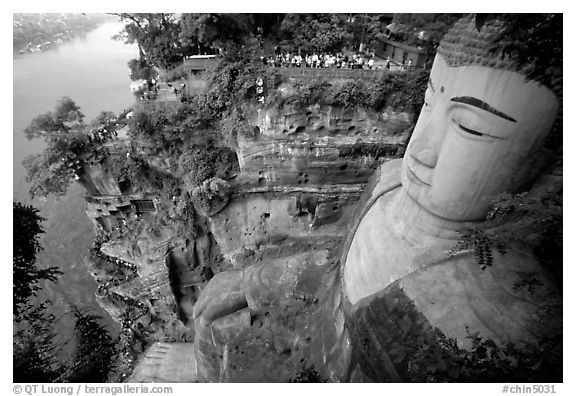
(414, 177)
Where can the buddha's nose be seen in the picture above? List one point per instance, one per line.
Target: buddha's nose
(426, 143)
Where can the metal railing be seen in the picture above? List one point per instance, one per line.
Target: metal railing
(328, 72)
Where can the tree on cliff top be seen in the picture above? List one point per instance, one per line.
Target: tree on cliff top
(51, 125)
(156, 34)
(218, 31)
(423, 30)
(66, 136)
(317, 32)
(141, 70)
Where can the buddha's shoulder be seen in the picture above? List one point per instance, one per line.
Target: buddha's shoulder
(458, 298)
(457, 294)
(385, 179)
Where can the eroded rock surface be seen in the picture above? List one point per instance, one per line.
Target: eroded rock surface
(278, 224)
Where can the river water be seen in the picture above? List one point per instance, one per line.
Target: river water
(92, 70)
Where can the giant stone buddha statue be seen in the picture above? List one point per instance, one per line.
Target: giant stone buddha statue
(481, 132)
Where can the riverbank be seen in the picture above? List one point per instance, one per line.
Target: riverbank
(33, 33)
(75, 69)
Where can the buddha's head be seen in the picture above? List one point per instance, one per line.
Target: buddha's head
(481, 129)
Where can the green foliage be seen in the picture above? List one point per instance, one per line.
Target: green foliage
(530, 39)
(186, 132)
(26, 245)
(317, 32)
(94, 352)
(328, 32)
(433, 26)
(106, 119)
(50, 172)
(528, 280)
(211, 196)
(140, 69)
(66, 136)
(313, 91)
(200, 162)
(365, 28)
(51, 125)
(34, 345)
(349, 94)
(35, 339)
(148, 178)
(230, 90)
(175, 74)
(166, 130)
(402, 91)
(157, 36)
(480, 243)
(157, 129)
(185, 217)
(422, 353)
(534, 221)
(215, 31)
(34, 335)
(233, 82)
(234, 125)
(444, 361)
(411, 94)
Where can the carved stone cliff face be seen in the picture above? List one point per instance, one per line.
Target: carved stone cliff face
(302, 175)
(298, 184)
(283, 229)
(294, 229)
(320, 145)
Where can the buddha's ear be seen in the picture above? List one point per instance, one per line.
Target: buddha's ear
(540, 165)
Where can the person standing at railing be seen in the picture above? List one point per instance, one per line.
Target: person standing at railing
(298, 60)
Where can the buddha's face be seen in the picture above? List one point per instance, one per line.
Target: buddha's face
(477, 136)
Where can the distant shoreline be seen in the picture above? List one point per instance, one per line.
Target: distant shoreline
(50, 41)
(33, 33)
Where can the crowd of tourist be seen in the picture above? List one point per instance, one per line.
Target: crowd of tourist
(153, 88)
(114, 266)
(102, 135)
(328, 60)
(150, 93)
(322, 60)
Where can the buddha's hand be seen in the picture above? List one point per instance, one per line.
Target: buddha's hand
(221, 297)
